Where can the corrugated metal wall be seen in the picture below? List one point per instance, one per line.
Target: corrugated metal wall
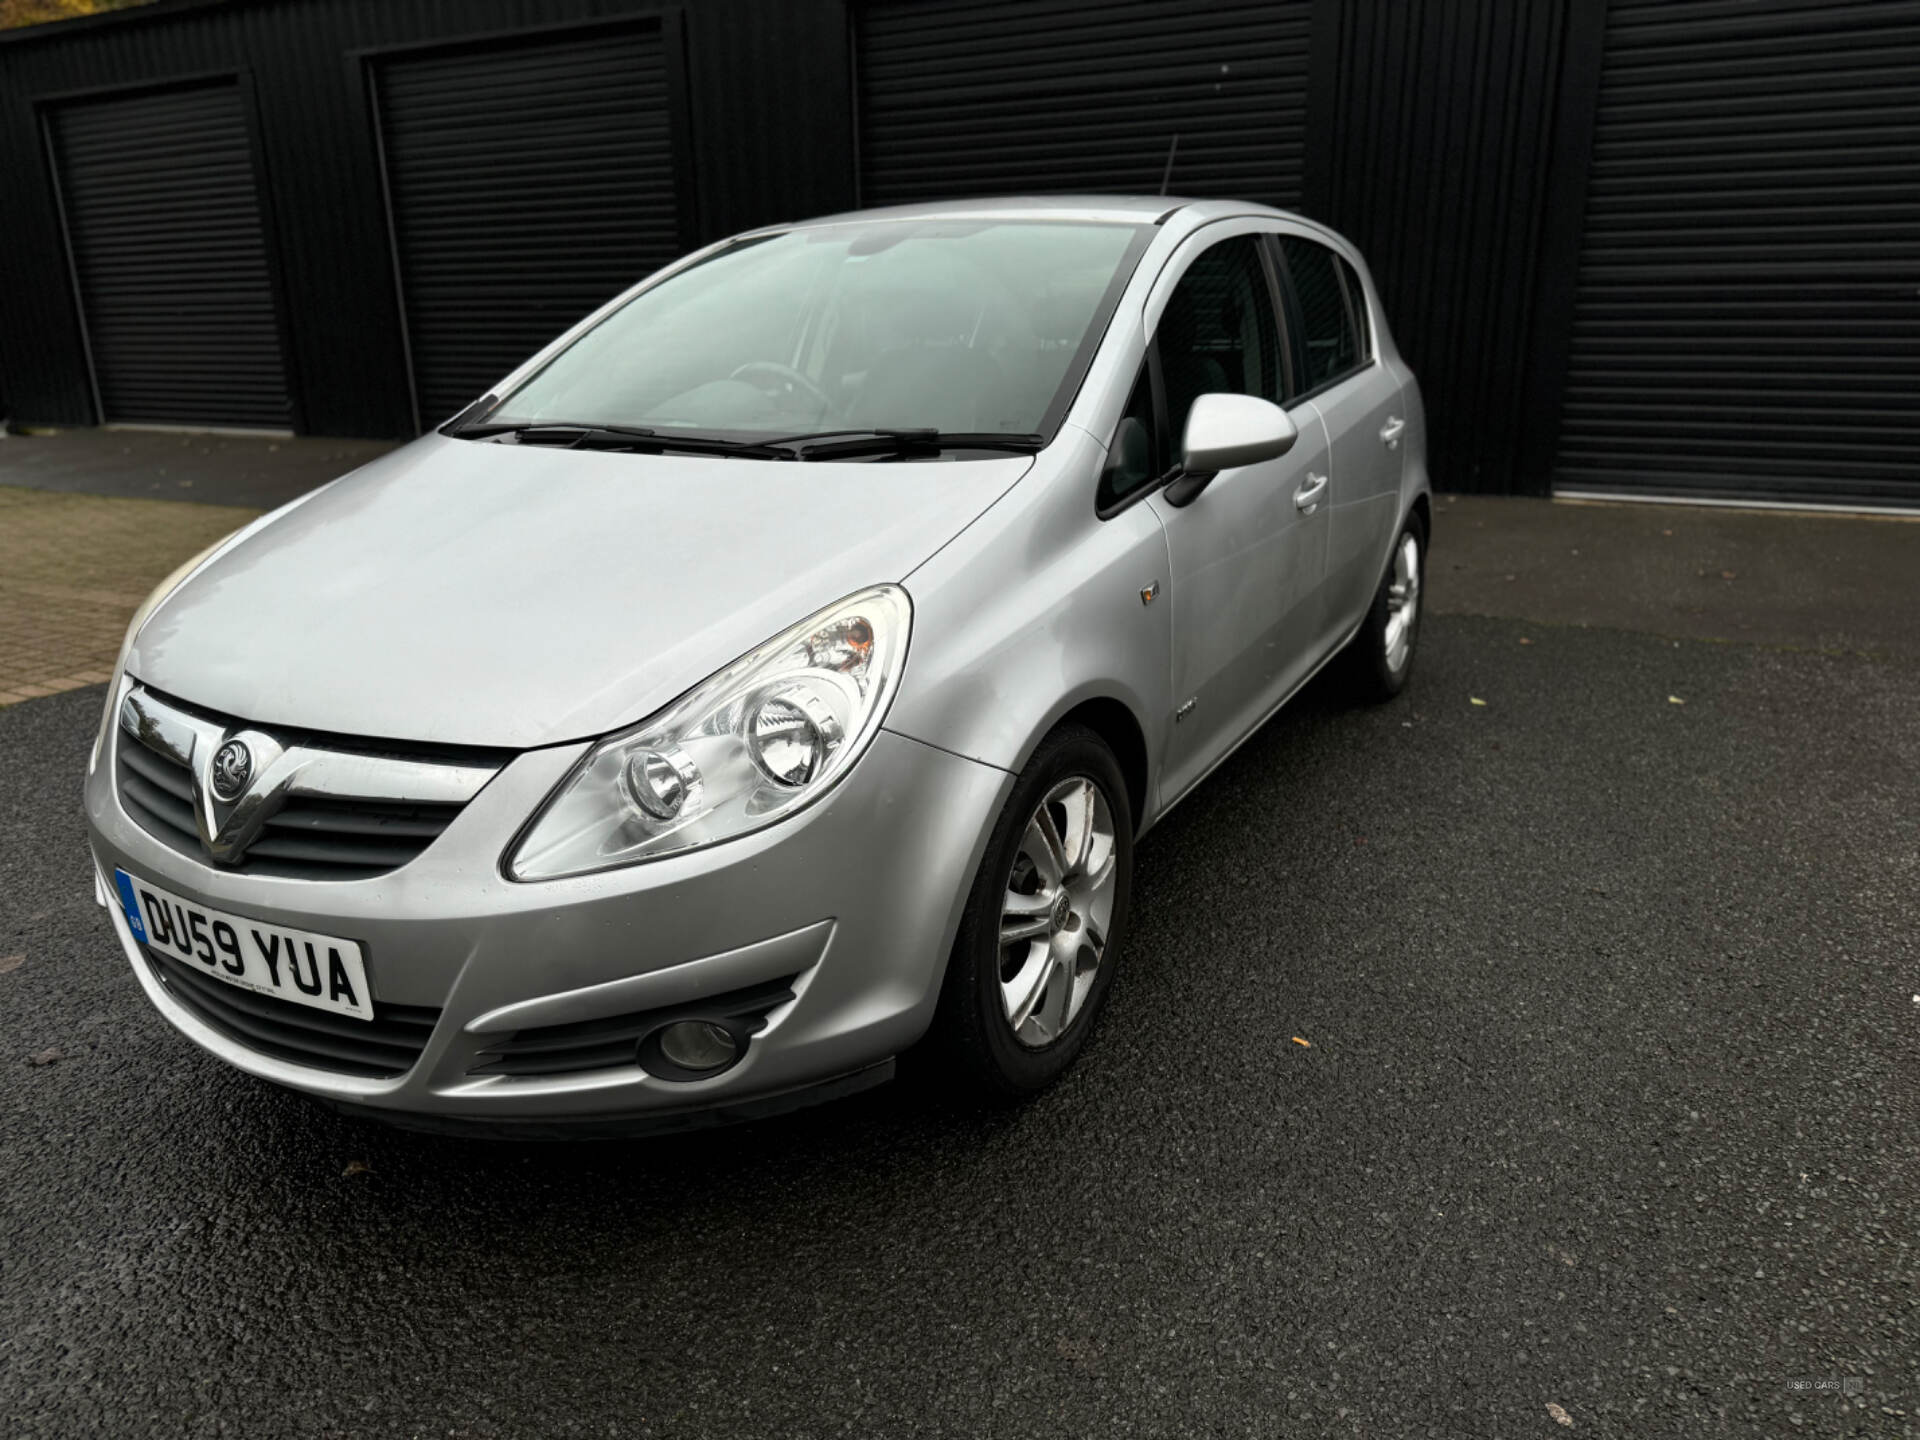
(1424, 132)
(976, 97)
(1433, 132)
(1645, 243)
(1748, 313)
(529, 183)
(767, 98)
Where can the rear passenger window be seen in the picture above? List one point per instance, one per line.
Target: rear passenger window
(1328, 333)
(1219, 334)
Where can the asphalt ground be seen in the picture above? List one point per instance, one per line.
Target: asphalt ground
(1609, 1105)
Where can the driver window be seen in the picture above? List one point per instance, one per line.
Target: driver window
(1218, 332)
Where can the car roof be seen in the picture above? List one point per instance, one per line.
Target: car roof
(1176, 216)
(1123, 209)
(1134, 209)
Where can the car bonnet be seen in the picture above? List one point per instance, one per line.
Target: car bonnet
(504, 595)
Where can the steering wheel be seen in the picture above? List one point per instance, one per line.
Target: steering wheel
(774, 370)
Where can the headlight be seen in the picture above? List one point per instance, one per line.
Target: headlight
(767, 736)
(147, 606)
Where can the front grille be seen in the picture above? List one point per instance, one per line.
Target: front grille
(614, 1040)
(309, 838)
(383, 1047)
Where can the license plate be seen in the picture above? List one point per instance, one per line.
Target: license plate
(321, 971)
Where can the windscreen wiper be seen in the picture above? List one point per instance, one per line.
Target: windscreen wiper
(622, 437)
(851, 444)
(819, 445)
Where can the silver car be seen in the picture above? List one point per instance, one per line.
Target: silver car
(773, 674)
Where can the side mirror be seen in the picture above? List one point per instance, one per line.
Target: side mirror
(1225, 432)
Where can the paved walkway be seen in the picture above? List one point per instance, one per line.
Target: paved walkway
(214, 469)
(73, 568)
(92, 520)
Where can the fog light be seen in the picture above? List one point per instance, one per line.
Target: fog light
(697, 1045)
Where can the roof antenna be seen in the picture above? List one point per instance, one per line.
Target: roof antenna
(1166, 176)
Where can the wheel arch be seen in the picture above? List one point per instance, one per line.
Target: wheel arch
(1119, 727)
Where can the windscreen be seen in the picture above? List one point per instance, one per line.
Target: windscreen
(978, 327)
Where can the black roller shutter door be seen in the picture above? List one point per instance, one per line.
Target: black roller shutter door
(1748, 314)
(528, 184)
(162, 213)
(1055, 96)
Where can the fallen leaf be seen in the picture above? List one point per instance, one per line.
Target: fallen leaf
(11, 963)
(1475, 700)
(1559, 1414)
(356, 1167)
(46, 1056)
(1298, 1041)
(1675, 700)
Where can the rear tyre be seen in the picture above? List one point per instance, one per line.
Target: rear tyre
(1038, 942)
(1380, 657)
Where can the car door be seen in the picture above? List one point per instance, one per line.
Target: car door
(1247, 558)
(1359, 399)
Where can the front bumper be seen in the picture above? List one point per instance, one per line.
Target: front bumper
(858, 896)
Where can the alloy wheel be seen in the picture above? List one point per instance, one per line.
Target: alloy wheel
(1403, 601)
(1055, 915)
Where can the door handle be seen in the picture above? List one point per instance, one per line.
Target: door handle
(1307, 498)
(1390, 432)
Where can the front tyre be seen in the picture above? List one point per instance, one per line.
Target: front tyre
(1035, 955)
(1380, 657)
